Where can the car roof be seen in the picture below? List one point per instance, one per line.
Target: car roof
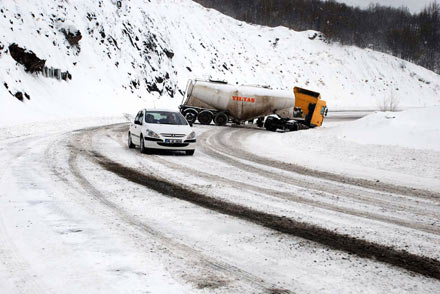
(161, 109)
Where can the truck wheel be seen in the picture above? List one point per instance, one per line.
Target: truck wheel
(190, 115)
(271, 128)
(205, 117)
(270, 124)
(221, 119)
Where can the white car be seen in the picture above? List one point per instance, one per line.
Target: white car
(158, 129)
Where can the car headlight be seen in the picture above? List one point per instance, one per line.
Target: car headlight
(152, 134)
(191, 136)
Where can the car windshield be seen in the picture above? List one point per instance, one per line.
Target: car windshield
(165, 118)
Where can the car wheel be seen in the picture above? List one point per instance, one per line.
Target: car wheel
(130, 142)
(142, 147)
(189, 152)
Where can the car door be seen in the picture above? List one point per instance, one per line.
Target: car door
(135, 128)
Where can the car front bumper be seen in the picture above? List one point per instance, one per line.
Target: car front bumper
(160, 144)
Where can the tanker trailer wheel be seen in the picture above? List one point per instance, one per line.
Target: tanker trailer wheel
(221, 119)
(190, 115)
(260, 122)
(270, 124)
(205, 117)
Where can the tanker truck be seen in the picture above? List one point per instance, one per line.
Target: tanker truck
(218, 101)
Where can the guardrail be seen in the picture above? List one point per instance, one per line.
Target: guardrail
(56, 73)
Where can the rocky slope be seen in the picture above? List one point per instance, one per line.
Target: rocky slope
(122, 55)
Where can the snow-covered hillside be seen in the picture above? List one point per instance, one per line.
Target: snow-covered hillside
(141, 53)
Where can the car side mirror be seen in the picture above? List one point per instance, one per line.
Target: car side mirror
(190, 124)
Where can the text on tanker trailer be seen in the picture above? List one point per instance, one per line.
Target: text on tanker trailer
(221, 102)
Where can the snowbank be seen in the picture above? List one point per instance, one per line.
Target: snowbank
(415, 128)
(399, 148)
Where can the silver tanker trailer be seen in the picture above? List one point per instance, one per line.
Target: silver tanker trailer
(218, 101)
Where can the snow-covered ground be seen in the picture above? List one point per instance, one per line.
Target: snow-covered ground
(68, 221)
(415, 128)
(396, 147)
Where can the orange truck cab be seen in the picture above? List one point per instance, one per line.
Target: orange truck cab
(313, 108)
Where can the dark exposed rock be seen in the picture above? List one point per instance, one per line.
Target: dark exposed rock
(150, 44)
(28, 97)
(159, 80)
(72, 37)
(153, 88)
(19, 96)
(91, 16)
(168, 53)
(189, 69)
(135, 84)
(6, 85)
(170, 91)
(112, 41)
(312, 37)
(28, 59)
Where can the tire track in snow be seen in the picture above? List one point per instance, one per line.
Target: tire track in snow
(394, 203)
(315, 183)
(225, 273)
(384, 216)
(305, 200)
(423, 265)
(219, 137)
(420, 264)
(298, 198)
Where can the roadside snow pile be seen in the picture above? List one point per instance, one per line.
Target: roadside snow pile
(65, 125)
(393, 147)
(416, 128)
(123, 55)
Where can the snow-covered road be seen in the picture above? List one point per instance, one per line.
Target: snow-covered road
(80, 212)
